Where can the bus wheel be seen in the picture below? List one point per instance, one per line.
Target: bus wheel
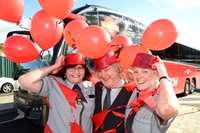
(187, 88)
(192, 87)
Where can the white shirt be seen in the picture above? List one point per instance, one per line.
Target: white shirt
(114, 91)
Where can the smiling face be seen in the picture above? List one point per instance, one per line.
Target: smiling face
(75, 74)
(144, 78)
(109, 76)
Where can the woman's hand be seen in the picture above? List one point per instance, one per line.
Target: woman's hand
(60, 61)
(160, 66)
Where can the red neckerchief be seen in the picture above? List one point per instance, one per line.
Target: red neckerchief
(70, 96)
(75, 128)
(144, 97)
(131, 86)
(99, 118)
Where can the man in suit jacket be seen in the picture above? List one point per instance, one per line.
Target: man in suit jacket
(110, 87)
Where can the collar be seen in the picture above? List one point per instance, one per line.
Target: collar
(118, 85)
(70, 85)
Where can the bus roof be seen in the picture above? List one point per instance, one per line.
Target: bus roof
(96, 7)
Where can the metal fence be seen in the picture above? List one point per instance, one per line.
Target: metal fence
(7, 67)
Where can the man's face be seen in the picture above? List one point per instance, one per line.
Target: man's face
(109, 76)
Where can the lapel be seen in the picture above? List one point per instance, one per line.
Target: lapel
(104, 117)
(98, 94)
(122, 98)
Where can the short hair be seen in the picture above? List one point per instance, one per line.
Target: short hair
(117, 68)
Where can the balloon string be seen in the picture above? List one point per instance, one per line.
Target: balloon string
(71, 51)
(58, 22)
(73, 45)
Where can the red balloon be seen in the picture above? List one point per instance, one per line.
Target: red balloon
(72, 30)
(11, 10)
(120, 41)
(159, 35)
(127, 55)
(93, 41)
(45, 30)
(20, 49)
(57, 8)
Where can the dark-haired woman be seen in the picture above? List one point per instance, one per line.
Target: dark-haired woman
(69, 93)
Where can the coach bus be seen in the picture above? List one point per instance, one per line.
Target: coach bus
(185, 77)
(182, 63)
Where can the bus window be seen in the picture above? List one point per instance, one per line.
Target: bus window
(116, 24)
(180, 53)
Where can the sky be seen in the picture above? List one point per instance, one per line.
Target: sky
(183, 13)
